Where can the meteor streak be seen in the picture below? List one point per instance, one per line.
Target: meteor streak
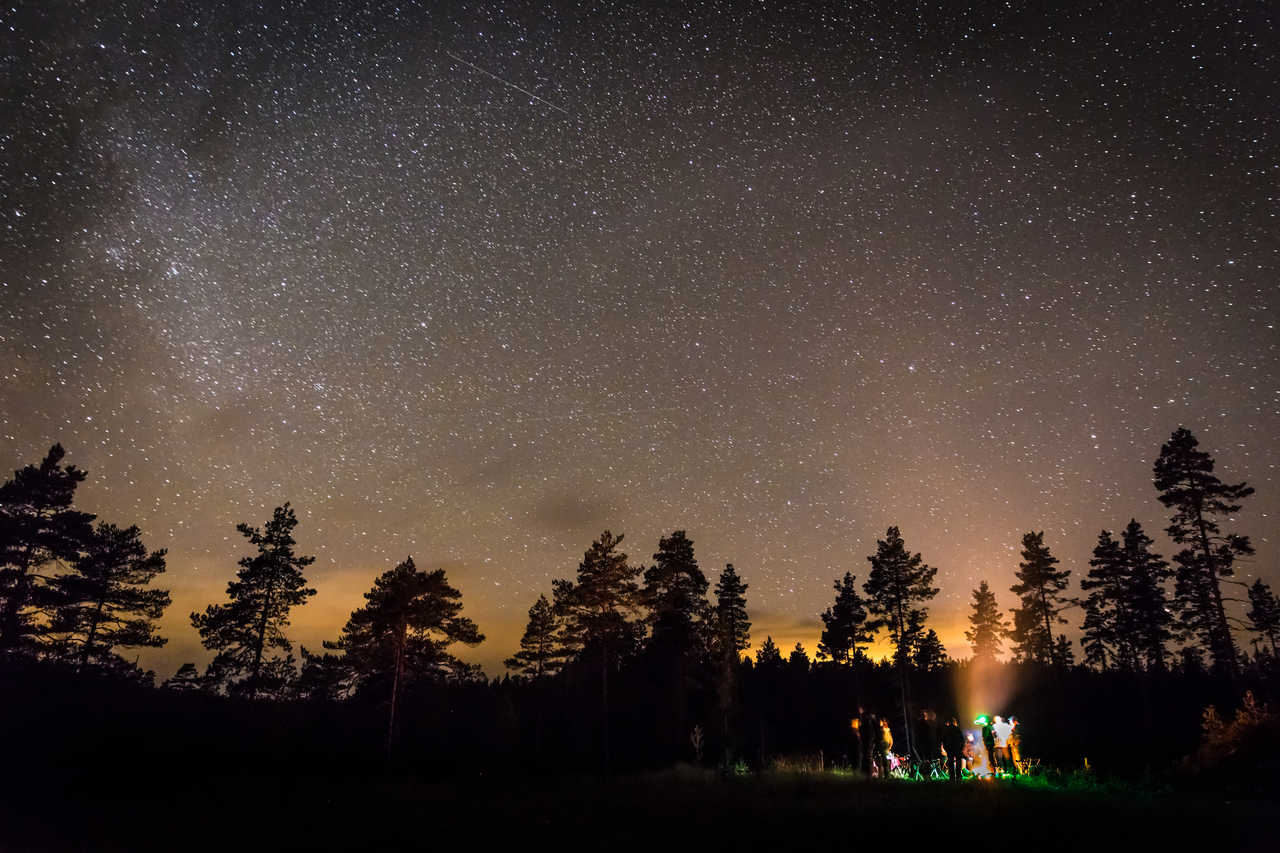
(506, 83)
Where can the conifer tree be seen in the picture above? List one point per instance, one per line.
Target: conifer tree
(731, 625)
(537, 655)
(404, 631)
(1264, 612)
(929, 653)
(844, 624)
(186, 678)
(1108, 636)
(798, 660)
(675, 593)
(1062, 652)
(987, 626)
(731, 635)
(768, 655)
(600, 613)
(1039, 588)
(897, 583)
(103, 602)
(38, 530)
(251, 624)
(1184, 477)
(1146, 597)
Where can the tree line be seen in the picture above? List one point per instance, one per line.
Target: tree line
(644, 637)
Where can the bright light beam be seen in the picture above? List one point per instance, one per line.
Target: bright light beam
(506, 83)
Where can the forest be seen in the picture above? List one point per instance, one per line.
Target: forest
(631, 666)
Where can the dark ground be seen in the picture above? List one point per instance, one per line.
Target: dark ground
(679, 810)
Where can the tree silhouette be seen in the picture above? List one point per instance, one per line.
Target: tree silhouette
(1126, 621)
(102, 600)
(929, 653)
(1039, 588)
(404, 630)
(538, 654)
(600, 615)
(187, 678)
(898, 581)
(269, 584)
(844, 624)
(1062, 653)
(1264, 612)
(768, 655)
(38, 530)
(798, 660)
(987, 626)
(731, 634)
(1187, 485)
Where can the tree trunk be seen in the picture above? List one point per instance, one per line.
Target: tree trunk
(396, 670)
(93, 630)
(262, 639)
(604, 704)
(1226, 643)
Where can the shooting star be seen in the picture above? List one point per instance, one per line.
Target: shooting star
(506, 83)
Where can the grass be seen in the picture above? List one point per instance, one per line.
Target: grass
(684, 808)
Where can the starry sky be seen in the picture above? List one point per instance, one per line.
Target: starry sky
(474, 282)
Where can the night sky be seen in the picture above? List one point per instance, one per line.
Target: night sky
(474, 283)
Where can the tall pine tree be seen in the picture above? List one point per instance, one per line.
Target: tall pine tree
(103, 602)
(1184, 477)
(731, 634)
(1039, 588)
(600, 611)
(538, 654)
(897, 583)
(404, 631)
(1108, 637)
(38, 530)
(246, 629)
(987, 626)
(844, 624)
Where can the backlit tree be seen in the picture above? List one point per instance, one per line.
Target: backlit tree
(844, 624)
(1040, 588)
(987, 626)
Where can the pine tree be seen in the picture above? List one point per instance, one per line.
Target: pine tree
(730, 622)
(768, 655)
(1264, 612)
(1185, 480)
(844, 624)
(38, 530)
(731, 635)
(1062, 653)
(537, 655)
(798, 660)
(404, 631)
(675, 593)
(1146, 597)
(600, 612)
(245, 630)
(186, 678)
(987, 626)
(898, 581)
(102, 601)
(1040, 588)
(929, 653)
(1108, 636)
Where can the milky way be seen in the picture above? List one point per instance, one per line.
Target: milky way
(779, 278)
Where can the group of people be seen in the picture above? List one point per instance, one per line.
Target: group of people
(949, 745)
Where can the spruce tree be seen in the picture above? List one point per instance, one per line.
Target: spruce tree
(768, 655)
(1146, 597)
(1264, 612)
(987, 626)
(103, 602)
(404, 631)
(246, 629)
(1183, 475)
(844, 624)
(1039, 588)
(798, 660)
(731, 625)
(1108, 635)
(897, 583)
(38, 530)
(929, 653)
(537, 656)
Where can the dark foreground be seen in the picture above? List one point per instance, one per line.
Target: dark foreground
(680, 810)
